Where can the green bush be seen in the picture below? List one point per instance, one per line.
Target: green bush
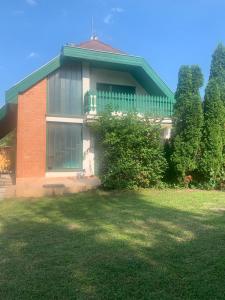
(131, 154)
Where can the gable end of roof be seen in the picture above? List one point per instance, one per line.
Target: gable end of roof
(70, 52)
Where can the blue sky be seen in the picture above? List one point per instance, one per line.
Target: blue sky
(168, 33)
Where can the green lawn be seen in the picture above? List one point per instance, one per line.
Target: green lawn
(121, 245)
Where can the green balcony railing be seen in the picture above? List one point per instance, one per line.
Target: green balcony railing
(155, 106)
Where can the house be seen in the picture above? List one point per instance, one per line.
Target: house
(50, 109)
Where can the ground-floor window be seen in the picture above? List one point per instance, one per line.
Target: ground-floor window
(64, 146)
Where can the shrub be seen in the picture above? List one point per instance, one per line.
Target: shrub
(131, 151)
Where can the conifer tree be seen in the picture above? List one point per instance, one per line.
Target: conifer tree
(188, 121)
(217, 70)
(212, 164)
(212, 161)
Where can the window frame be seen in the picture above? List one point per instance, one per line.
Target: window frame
(78, 169)
(65, 115)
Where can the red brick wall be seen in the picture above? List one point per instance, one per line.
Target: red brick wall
(31, 132)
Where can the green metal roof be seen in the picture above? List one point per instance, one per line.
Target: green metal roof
(136, 65)
(11, 95)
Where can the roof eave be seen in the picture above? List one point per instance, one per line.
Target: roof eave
(11, 94)
(88, 55)
(118, 58)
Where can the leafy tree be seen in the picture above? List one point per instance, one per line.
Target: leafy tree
(212, 147)
(131, 151)
(188, 122)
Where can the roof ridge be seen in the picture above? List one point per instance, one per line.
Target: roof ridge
(99, 41)
(88, 45)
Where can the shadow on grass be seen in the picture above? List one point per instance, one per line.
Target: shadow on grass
(110, 246)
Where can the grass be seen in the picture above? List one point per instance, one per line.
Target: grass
(122, 245)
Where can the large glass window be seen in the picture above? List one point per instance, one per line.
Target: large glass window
(65, 91)
(64, 146)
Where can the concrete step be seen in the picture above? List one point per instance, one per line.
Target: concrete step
(53, 186)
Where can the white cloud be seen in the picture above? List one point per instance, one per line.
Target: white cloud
(32, 2)
(110, 16)
(33, 55)
(108, 19)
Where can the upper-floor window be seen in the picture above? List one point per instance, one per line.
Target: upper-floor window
(115, 88)
(65, 91)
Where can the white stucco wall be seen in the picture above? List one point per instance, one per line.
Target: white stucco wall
(88, 149)
(85, 78)
(88, 152)
(113, 77)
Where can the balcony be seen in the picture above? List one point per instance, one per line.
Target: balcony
(153, 106)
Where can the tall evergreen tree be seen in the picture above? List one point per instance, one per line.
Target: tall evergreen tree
(217, 70)
(213, 145)
(212, 161)
(188, 121)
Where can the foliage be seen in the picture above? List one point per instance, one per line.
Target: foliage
(8, 140)
(188, 122)
(217, 70)
(7, 152)
(132, 151)
(212, 161)
(212, 164)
